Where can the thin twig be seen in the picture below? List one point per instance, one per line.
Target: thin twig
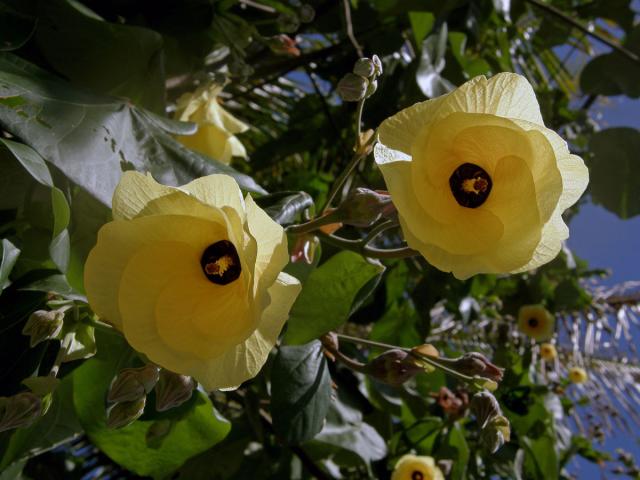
(259, 6)
(358, 246)
(337, 185)
(378, 229)
(350, 34)
(576, 24)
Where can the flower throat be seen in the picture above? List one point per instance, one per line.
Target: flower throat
(220, 262)
(470, 185)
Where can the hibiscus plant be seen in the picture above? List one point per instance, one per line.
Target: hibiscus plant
(313, 239)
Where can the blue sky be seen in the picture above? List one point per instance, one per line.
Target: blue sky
(597, 235)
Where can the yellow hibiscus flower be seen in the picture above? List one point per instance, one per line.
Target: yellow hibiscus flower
(536, 322)
(478, 180)
(578, 375)
(412, 467)
(215, 137)
(192, 277)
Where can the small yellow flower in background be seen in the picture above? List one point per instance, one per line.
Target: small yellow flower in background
(536, 322)
(548, 352)
(215, 137)
(193, 277)
(478, 180)
(412, 467)
(578, 375)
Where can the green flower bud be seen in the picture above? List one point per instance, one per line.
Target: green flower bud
(43, 325)
(363, 207)
(496, 433)
(306, 13)
(371, 89)
(393, 367)
(19, 411)
(475, 364)
(173, 390)
(364, 67)
(377, 65)
(485, 407)
(288, 23)
(125, 413)
(352, 87)
(133, 383)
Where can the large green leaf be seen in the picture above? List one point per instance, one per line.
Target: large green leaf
(346, 430)
(614, 73)
(8, 258)
(192, 430)
(329, 294)
(15, 28)
(285, 207)
(35, 165)
(93, 139)
(109, 58)
(615, 170)
(300, 392)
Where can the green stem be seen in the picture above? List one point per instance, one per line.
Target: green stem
(378, 229)
(314, 224)
(360, 247)
(436, 362)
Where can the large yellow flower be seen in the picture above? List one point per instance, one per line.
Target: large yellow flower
(216, 127)
(192, 277)
(412, 467)
(478, 180)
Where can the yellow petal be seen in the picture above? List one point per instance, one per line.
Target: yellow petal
(209, 140)
(272, 253)
(217, 191)
(190, 314)
(117, 243)
(506, 95)
(134, 191)
(246, 359)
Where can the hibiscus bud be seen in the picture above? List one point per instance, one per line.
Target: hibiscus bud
(377, 65)
(496, 433)
(173, 390)
(393, 367)
(283, 45)
(475, 364)
(364, 67)
(306, 13)
(132, 384)
(363, 207)
(371, 89)
(352, 87)
(426, 350)
(125, 413)
(43, 325)
(288, 22)
(19, 411)
(485, 407)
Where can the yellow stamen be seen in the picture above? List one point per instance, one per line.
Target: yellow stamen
(219, 266)
(475, 185)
